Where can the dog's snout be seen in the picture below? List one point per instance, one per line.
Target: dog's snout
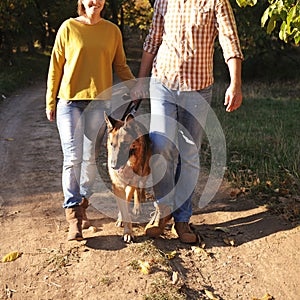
(114, 165)
(118, 162)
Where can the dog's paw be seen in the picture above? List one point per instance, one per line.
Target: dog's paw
(128, 238)
(136, 210)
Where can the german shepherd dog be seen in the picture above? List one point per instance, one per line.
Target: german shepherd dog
(129, 151)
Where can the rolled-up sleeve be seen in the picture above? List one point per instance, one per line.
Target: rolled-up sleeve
(154, 38)
(228, 34)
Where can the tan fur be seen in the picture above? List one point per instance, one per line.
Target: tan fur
(128, 147)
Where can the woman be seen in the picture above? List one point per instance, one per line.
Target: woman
(84, 52)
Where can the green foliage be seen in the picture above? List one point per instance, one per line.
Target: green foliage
(285, 13)
(24, 24)
(138, 14)
(243, 3)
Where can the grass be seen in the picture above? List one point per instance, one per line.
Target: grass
(262, 140)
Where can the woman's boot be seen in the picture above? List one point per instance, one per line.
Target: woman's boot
(74, 217)
(85, 222)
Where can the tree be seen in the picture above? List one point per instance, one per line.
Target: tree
(285, 13)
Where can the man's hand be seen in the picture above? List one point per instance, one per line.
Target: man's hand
(50, 115)
(140, 90)
(233, 98)
(233, 95)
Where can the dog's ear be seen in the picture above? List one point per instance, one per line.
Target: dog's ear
(110, 121)
(128, 118)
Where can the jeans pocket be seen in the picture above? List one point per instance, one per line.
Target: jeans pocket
(63, 102)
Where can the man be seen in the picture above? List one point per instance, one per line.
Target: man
(179, 50)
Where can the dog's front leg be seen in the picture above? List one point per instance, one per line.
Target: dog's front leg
(119, 222)
(139, 197)
(123, 200)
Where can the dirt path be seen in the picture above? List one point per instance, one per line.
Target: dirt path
(264, 258)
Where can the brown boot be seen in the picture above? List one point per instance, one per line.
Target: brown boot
(184, 232)
(85, 222)
(74, 217)
(156, 225)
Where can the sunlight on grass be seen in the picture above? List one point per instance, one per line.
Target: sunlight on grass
(262, 137)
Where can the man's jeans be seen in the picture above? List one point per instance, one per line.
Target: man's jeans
(78, 124)
(176, 134)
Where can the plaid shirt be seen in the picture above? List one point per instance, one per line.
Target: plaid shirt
(182, 37)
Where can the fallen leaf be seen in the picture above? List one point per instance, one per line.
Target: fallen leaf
(235, 192)
(265, 297)
(199, 250)
(268, 183)
(173, 230)
(9, 139)
(175, 277)
(144, 266)
(171, 255)
(256, 181)
(92, 229)
(229, 241)
(211, 295)
(202, 244)
(11, 256)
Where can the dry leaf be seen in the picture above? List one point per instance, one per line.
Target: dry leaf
(171, 255)
(11, 256)
(265, 297)
(92, 229)
(145, 267)
(173, 230)
(175, 277)
(9, 139)
(268, 183)
(199, 250)
(211, 295)
(202, 244)
(229, 241)
(235, 192)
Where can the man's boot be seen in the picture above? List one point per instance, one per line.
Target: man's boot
(161, 217)
(184, 232)
(74, 217)
(85, 222)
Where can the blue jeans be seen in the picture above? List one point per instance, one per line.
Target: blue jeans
(78, 124)
(176, 134)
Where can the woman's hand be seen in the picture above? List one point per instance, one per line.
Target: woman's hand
(50, 115)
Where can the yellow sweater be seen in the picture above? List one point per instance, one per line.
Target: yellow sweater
(82, 60)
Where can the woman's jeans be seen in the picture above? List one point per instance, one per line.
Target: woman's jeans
(78, 124)
(176, 134)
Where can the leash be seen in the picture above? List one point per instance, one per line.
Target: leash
(132, 107)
